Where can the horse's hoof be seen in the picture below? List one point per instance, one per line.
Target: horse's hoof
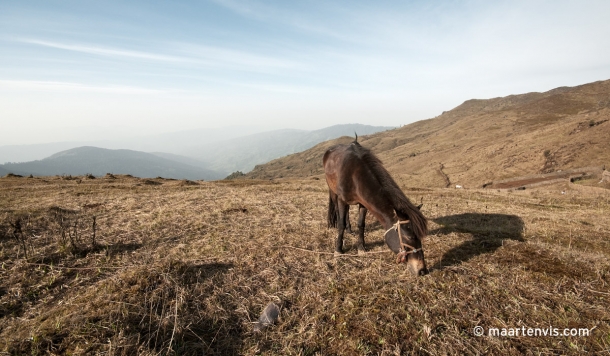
(361, 252)
(338, 254)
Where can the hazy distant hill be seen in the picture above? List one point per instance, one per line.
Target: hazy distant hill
(227, 149)
(173, 142)
(183, 159)
(243, 153)
(99, 161)
(26, 153)
(484, 140)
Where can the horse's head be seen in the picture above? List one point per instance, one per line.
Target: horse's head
(401, 239)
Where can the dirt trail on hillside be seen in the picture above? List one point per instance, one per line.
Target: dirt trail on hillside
(541, 179)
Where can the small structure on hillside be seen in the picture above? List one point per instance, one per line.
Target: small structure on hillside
(605, 176)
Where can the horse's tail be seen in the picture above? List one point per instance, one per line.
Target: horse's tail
(332, 212)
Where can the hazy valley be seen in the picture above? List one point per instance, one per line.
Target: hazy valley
(176, 155)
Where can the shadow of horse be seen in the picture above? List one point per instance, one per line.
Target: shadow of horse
(488, 232)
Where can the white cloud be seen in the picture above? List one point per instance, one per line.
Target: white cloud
(186, 55)
(235, 59)
(261, 12)
(33, 85)
(104, 51)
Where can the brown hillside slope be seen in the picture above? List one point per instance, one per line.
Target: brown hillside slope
(483, 140)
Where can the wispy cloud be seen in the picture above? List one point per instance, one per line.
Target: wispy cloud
(104, 51)
(278, 88)
(185, 54)
(33, 85)
(235, 59)
(261, 12)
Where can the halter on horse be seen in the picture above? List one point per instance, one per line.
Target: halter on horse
(402, 251)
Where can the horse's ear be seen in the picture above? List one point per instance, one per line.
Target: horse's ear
(419, 206)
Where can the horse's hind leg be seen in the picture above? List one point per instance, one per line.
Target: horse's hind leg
(361, 224)
(348, 225)
(342, 209)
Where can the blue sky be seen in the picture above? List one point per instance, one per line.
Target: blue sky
(107, 69)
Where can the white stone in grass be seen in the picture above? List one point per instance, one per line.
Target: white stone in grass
(268, 317)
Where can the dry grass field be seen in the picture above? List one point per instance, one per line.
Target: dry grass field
(185, 268)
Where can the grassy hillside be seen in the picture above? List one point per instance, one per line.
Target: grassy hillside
(99, 161)
(186, 268)
(484, 140)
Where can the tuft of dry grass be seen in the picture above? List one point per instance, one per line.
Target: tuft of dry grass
(187, 269)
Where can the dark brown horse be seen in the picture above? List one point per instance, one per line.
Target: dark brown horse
(356, 176)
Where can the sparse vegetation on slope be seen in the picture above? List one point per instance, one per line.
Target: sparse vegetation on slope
(187, 269)
(235, 175)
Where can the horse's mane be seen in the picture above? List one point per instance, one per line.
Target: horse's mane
(402, 205)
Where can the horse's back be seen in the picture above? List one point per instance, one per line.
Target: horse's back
(338, 158)
(341, 166)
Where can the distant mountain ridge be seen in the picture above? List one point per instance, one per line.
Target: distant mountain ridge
(172, 142)
(224, 150)
(215, 160)
(483, 140)
(99, 161)
(243, 153)
(3, 172)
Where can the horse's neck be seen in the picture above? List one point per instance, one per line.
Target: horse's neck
(387, 219)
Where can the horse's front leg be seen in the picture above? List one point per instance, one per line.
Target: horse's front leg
(361, 224)
(342, 209)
